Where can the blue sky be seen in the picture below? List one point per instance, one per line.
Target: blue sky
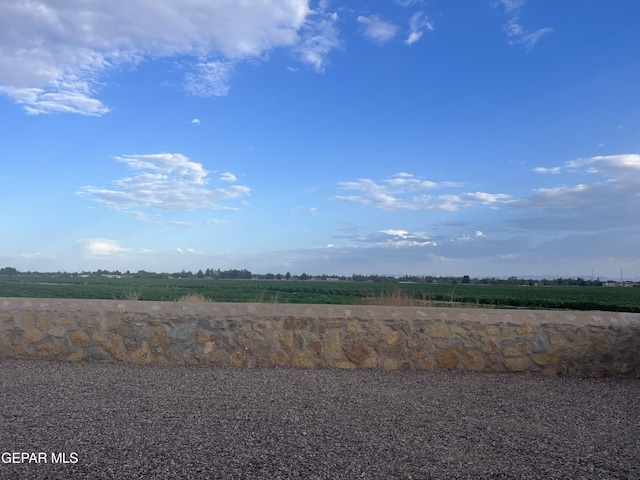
(488, 138)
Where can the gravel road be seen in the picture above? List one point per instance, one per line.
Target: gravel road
(129, 421)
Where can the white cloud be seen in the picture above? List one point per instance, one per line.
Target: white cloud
(393, 194)
(195, 121)
(228, 177)
(188, 250)
(516, 33)
(102, 247)
(317, 37)
(378, 30)
(554, 170)
(209, 79)
(417, 25)
(164, 182)
(54, 54)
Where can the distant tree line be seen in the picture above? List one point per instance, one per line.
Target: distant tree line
(218, 274)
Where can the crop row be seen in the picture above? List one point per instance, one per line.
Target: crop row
(292, 291)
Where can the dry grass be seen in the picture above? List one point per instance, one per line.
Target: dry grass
(194, 297)
(132, 295)
(398, 298)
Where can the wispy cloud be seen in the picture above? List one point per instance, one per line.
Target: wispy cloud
(394, 193)
(54, 55)
(611, 200)
(516, 33)
(164, 182)
(317, 37)
(417, 26)
(377, 30)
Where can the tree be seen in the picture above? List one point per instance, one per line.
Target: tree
(466, 279)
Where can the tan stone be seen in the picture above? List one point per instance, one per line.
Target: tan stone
(393, 338)
(286, 337)
(418, 354)
(579, 351)
(601, 343)
(114, 347)
(159, 337)
(456, 330)
(33, 335)
(209, 347)
(550, 371)
(491, 347)
(480, 326)
(203, 337)
(491, 330)
(354, 327)
(514, 350)
(75, 357)
(10, 318)
(280, 358)
(79, 336)
(437, 330)
(519, 364)
(63, 321)
(293, 323)
(346, 365)
(315, 346)
(28, 319)
(524, 329)
(92, 321)
(577, 335)
(142, 355)
(302, 359)
(371, 362)
(557, 341)
(375, 329)
(390, 364)
(333, 346)
(473, 360)
(428, 364)
(449, 358)
(622, 367)
(57, 332)
(236, 359)
(112, 322)
(47, 349)
(358, 352)
(98, 337)
(16, 347)
(44, 320)
(545, 359)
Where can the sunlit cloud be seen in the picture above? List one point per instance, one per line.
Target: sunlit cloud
(164, 182)
(399, 193)
(55, 55)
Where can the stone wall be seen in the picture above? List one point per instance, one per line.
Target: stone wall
(324, 336)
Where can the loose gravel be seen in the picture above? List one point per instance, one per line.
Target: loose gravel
(129, 421)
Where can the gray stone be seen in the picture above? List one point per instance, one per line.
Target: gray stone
(538, 345)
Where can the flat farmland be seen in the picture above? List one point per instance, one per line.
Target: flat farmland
(327, 292)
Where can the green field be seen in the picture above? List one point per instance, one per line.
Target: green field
(344, 292)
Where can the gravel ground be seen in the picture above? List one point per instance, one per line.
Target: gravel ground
(126, 421)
